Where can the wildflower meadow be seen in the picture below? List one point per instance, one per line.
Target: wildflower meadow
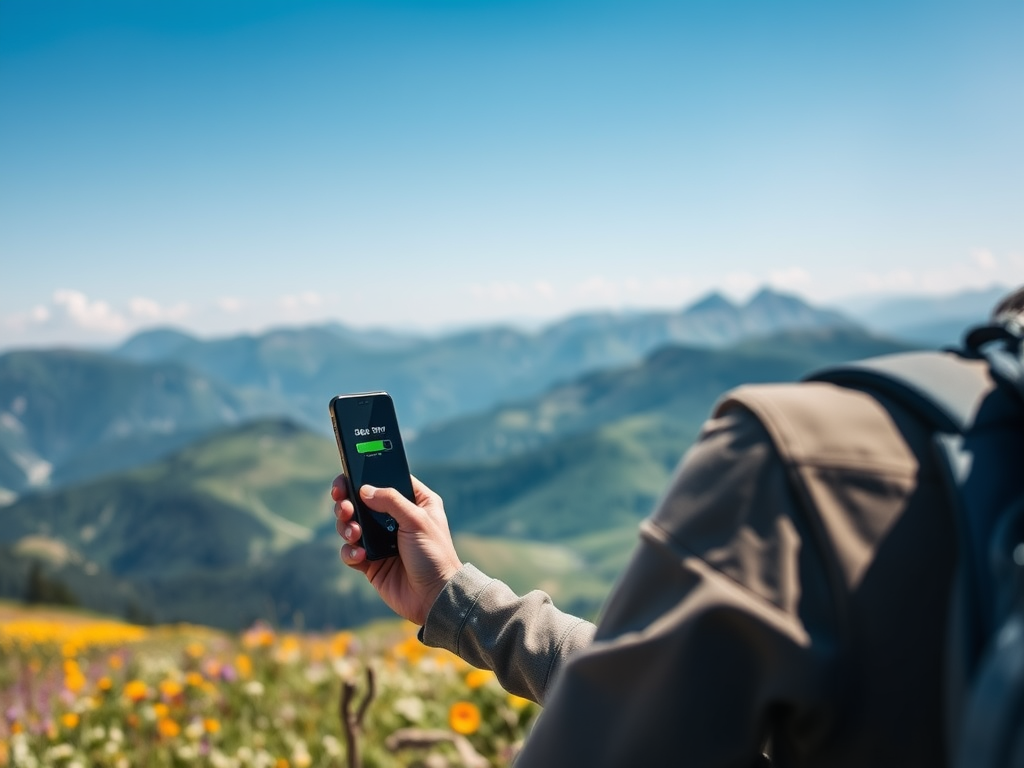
(78, 691)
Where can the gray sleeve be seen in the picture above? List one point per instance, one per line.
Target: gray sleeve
(524, 640)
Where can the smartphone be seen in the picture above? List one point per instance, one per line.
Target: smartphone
(372, 452)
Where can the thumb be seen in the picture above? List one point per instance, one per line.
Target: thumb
(390, 501)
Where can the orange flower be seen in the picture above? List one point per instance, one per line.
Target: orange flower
(69, 720)
(211, 725)
(104, 683)
(478, 677)
(170, 689)
(194, 679)
(167, 728)
(244, 665)
(340, 643)
(161, 710)
(517, 702)
(195, 650)
(115, 661)
(136, 690)
(464, 717)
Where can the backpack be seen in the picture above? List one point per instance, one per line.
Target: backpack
(978, 435)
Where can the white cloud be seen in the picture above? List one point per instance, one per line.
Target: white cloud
(229, 304)
(148, 310)
(144, 309)
(600, 288)
(40, 314)
(979, 269)
(304, 300)
(984, 258)
(544, 289)
(90, 315)
(741, 284)
(791, 279)
(498, 290)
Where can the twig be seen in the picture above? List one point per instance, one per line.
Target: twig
(423, 738)
(353, 723)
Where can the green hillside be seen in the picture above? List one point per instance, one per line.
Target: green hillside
(238, 525)
(67, 414)
(681, 382)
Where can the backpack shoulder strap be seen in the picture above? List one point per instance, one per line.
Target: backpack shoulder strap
(945, 389)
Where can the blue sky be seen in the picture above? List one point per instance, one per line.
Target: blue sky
(225, 165)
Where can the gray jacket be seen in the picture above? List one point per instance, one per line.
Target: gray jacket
(788, 594)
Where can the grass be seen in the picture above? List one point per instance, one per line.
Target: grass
(77, 688)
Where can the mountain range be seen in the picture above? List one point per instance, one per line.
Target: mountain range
(233, 523)
(67, 415)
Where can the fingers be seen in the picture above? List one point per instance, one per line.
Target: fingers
(349, 530)
(354, 557)
(391, 502)
(339, 488)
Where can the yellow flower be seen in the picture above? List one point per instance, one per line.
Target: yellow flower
(167, 728)
(244, 665)
(74, 680)
(340, 643)
(281, 762)
(170, 689)
(211, 725)
(136, 690)
(161, 710)
(259, 636)
(517, 702)
(104, 683)
(69, 720)
(115, 661)
(194, 679)
(195, 650)
(478, 677)
(464, 717)
(410, 649)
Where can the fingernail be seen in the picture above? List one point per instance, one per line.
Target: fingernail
(348, 532)
(367, 491)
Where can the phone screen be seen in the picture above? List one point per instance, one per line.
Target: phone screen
(372, 452)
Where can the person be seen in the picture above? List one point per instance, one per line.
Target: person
(787, 597)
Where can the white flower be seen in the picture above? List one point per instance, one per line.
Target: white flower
(116, 734)
(344, 668)
(410, 707)
(301, 759)
(59, 752)
(195, 730)
(187, 753)
(219, 760)
(331, 745)
(254, 688)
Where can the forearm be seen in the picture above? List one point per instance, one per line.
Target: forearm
(524, 640)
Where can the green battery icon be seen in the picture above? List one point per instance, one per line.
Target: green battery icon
(373, 446)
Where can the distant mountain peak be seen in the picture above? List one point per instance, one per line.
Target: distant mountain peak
(712, 302)
(154, 344)
(771, 297)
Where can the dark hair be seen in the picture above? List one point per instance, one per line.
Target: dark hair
(1010, 308)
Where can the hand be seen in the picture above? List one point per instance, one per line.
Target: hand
(426, 558)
